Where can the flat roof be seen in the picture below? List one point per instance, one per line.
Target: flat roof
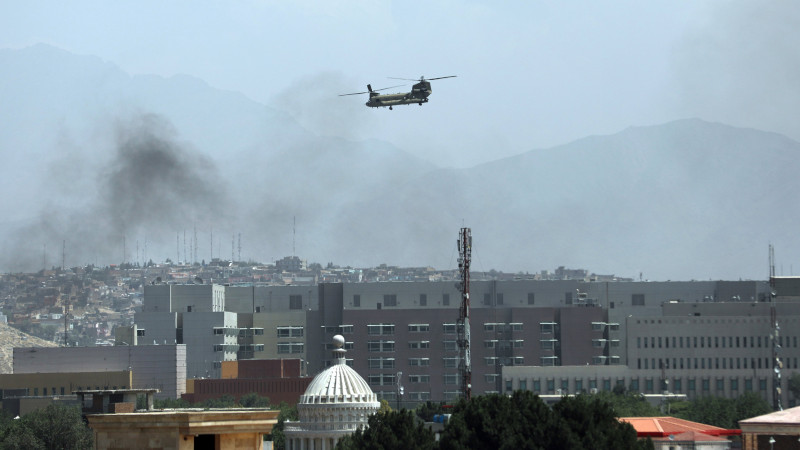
(667, 426)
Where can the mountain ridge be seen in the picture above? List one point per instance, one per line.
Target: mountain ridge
(145, 158)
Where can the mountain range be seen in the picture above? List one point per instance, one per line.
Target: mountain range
(100, 166)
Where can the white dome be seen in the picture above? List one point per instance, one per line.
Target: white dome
(337, 403)
(338, 384)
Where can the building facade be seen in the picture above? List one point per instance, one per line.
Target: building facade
(160, 367)
(404, 333)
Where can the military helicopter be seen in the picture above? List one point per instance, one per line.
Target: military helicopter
(419, 93)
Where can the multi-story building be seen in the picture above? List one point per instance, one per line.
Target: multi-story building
(409, 329)
(161, 367)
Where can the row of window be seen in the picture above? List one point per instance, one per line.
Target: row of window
(384, 329)
(251, 347)
(491, 361)
(450, 362)
(389, 346)
(391, 395)
(290, 331)
(60, 391)
(713, 341)
(712, 363)
(390, 300)
(226, 347)
(227, 331)
(650, 385)
(290, 347)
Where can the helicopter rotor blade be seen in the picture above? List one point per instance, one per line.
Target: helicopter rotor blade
(406, 79)
(373, 90)
(441, 78)
(390, 87)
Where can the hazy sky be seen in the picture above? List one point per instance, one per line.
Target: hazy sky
(530, 74)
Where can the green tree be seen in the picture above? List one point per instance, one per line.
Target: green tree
(794, 384)
(253, 400)
(523, 420)
(224, 401)
(427, 410)
(495, 421)
(53, 427)
(593, 423)
(393, 430)
(750, 405)
(711, 410)
(385, 406)
(628, 404)
(287, 412)
(162, 403)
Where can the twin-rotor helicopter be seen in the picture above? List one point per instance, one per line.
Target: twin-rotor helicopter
(419, 93)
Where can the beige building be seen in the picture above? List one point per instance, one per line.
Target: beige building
(775, 431)
(185, 429)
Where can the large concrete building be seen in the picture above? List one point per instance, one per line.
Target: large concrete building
(647, 329)
(160, 367)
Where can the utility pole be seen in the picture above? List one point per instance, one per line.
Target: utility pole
(464, 364)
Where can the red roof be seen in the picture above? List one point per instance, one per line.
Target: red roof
(666, 426)
(691, 436)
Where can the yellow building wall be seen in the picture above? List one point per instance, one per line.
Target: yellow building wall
(230, 369)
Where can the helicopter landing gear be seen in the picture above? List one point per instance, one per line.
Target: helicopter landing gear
(390, 108)
(420, 103)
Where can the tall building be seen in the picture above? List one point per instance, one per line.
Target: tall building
(161, 367)
(409, 328)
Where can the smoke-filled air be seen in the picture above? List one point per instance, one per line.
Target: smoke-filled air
(648, 140)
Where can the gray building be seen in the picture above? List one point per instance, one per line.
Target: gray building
(410, 328)
(161, 367)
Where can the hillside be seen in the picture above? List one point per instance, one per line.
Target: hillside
(10, 337)
(116, 165)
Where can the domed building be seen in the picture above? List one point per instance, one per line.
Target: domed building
(337, 402)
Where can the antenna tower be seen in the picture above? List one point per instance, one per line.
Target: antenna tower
(66, 315)
(464, 364)
(64, 254)
(774, 335)
(240, 246)
(294, 224)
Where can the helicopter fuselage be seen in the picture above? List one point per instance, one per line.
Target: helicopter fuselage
(419, 94)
